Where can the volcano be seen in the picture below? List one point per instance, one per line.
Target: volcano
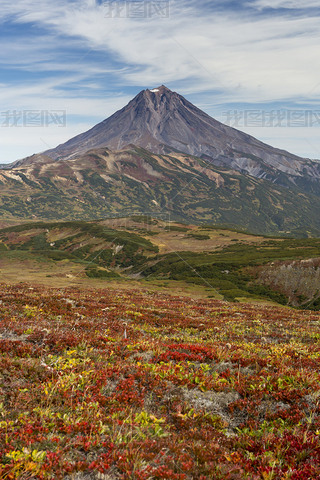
(163, 121)
(162, 154)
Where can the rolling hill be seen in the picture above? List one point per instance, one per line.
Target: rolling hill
(103, 183)
(231, 265)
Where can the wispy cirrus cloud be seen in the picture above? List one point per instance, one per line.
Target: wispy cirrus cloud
(220, 50)
(288, 4)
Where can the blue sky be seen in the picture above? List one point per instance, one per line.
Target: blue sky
(250, 63)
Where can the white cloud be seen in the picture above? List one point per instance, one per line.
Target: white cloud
(290, 4)
(256, 58)
(252, 58)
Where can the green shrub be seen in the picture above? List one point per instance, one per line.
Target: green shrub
(199, 236)
(95, 272)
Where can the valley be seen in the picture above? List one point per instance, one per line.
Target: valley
(142, 250)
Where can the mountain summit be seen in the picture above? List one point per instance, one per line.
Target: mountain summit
(163, 121)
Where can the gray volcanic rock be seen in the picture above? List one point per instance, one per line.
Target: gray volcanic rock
(162, 121)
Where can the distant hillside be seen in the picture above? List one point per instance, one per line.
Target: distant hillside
(103, 183)
(229, 264)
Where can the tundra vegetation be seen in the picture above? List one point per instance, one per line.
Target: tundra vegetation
(132, 384)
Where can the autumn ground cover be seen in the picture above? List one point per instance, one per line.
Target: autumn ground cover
(110, 384)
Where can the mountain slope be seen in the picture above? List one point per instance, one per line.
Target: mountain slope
(162, 121)
(105, 183)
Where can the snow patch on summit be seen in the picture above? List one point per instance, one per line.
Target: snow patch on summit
(155, 90)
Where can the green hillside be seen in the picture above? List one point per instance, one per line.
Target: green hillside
(102, 183)
(229, 264)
